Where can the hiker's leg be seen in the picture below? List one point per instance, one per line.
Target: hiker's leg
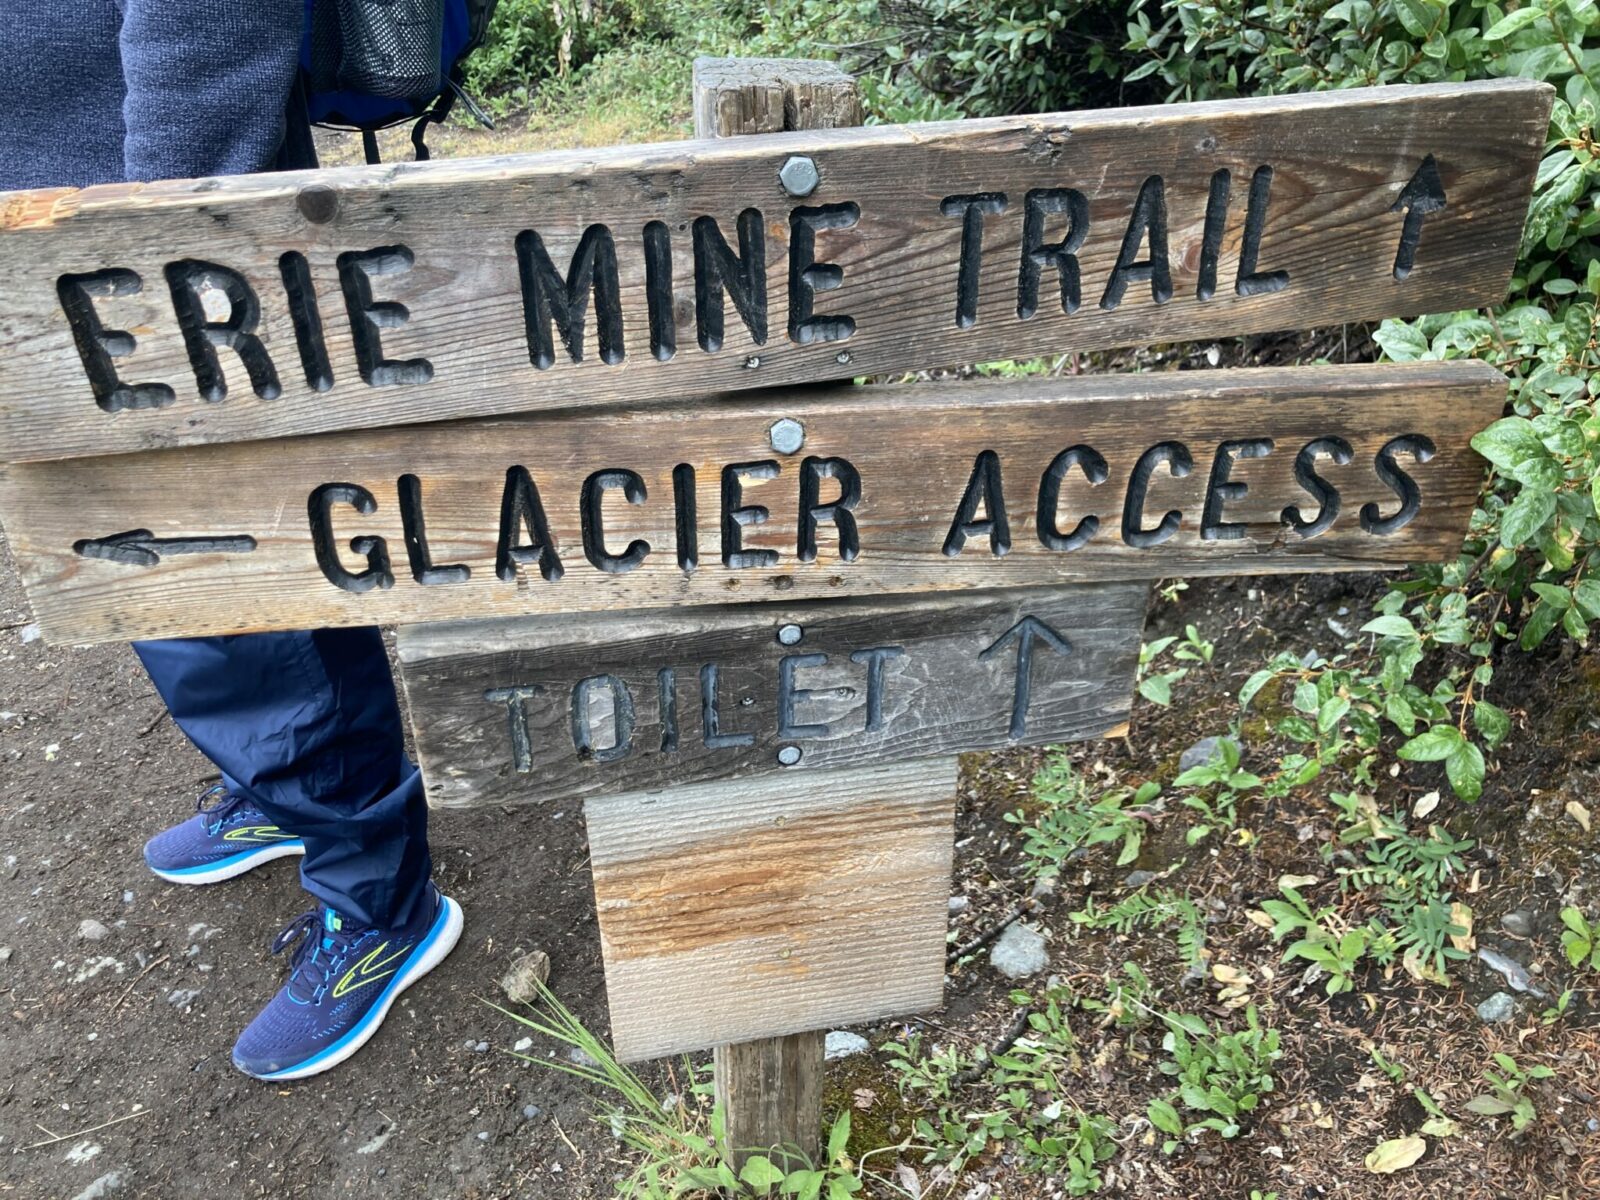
(306, 724)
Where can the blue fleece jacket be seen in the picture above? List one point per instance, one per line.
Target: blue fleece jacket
(99, 91)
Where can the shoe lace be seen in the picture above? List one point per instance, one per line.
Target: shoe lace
(222, 802)
(316, 956)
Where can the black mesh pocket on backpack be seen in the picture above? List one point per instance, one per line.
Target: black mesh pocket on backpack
(388, 48)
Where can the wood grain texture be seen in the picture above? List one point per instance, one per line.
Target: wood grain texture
(448, 231)
(775, 907)
(771, 1095)
(738, 96)
(529, 708)
(919, 453)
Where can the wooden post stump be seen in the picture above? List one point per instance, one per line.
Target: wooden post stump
(770, 1090)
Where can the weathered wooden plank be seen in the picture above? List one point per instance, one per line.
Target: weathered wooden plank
(898, 486)
(734, 96)
(771, 1095)
(548, 708)
(734, 913)
(414, 292)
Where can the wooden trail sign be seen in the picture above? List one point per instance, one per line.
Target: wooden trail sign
(736, 912)
(145, 316)
(804, 495)
(548, 708)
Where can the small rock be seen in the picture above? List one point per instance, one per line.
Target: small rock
(30, 633)
(182, 997)
(480, 1048)
(1043, 889)
(842, 1044)
(5, 954)
(523, 1044)
(530, 1111)
(959, 904)
(1515, 974)
(91, 930)
(127, 897)
(483, 1135)
(1019, 952)
(527, 974)
(1204, 752)
(1592, 1124)
(1137, 879)
(1518, 923)
(578, 1056)
(1497, 1008)
(1311, 658)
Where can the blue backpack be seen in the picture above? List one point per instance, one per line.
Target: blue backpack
(370, 64)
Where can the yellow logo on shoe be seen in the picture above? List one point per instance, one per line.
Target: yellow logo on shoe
(257, 833)
(367, 971)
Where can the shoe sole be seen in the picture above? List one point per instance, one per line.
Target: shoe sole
(429, 954)
(228, 868)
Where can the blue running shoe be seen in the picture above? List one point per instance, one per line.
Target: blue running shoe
(342, 982)
(225, 839)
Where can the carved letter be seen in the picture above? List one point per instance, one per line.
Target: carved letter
(743, 276)
(368, 317)
(621, 719)
(1220, 489)
(808, 277)
(1179, 462)
(736, 514)
(201, 337)
(1323, 492)
(983, 486)
(593, 515)
(98, 346)
(521, 507)
(1062, 255)
(1149, 216)
(421, 558)
(1094, 470)
(548, 298)
(812, 472)
(319, 508)
(1398, 482)
(971, 210)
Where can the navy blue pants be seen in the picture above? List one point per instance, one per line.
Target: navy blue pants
(306, 725)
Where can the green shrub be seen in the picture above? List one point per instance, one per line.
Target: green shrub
(1535, 537)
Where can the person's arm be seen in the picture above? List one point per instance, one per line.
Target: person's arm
(207, 84)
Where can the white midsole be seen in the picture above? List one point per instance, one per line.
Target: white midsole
(442, 945)
(237, 867)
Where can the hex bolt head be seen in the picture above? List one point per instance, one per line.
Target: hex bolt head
(787, 435)
(790, 635)
(799, 176)
(789, 755)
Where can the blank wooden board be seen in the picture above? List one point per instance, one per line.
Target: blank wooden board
(903, 489)
(374, 296)
(547, 708)
(730, 912)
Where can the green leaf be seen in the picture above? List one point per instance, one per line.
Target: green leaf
(1157, 689)
(1513, 446)
(1488, 1106)
(1401, 341)
(1390, 625)
(760, 1174)
(1165, 1118)
(1465, 770)
(1525, 516)
(839, 1136)
(1332, 713)
(1492, 721)
(1433, 745)
(1587, 594)
(1253, 685)
(1511, 22)
(1400, 714)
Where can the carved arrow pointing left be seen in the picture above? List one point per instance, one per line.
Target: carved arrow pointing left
(140, 548)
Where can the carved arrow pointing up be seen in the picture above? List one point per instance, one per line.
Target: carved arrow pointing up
(1424, 194)
(139, 548)
(1023, 633)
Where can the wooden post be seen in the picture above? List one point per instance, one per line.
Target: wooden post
(770, 1090)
